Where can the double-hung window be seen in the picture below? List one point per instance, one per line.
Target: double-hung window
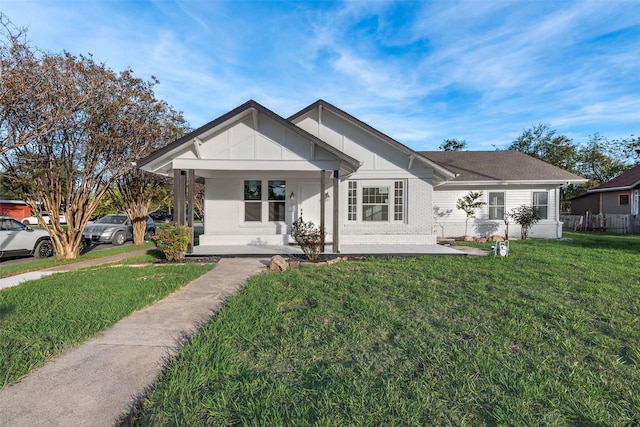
(376, 201)
(277, 192)
(541, 203)
(253, 200)
(496, 205)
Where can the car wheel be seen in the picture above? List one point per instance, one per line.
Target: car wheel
(44, 249)
(118, 239)
(149, 234)
(26, 222)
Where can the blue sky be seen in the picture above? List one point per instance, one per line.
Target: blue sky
(420, 72)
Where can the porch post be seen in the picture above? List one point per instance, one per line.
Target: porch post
(336, 211)
(323, 187)
(191, 189)
(178, 196)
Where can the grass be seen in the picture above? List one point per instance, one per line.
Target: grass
(39, 264)
(42, 318)
(547, 336)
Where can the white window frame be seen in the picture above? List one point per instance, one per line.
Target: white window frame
(396, 201)
(497, 206)
(265, 201)
(538, 205)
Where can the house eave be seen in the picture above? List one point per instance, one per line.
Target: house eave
(484, 183)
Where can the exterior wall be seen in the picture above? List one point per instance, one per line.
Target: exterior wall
(450, 221)
(224, 209)
(588, 202)
(15, 209)
(611, 202)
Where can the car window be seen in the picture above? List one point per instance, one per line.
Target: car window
(112, 219)
(9, 224)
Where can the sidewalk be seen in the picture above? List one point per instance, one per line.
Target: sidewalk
(95, 383)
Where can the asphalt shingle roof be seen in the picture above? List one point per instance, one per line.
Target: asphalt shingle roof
(627, 179)
(498, 166)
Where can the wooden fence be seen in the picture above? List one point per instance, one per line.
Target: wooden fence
(612, 223)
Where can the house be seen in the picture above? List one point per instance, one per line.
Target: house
(16, 209)
(507, 180)
(620, 196)
(262, 171)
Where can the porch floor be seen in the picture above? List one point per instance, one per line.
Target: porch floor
(268, 250)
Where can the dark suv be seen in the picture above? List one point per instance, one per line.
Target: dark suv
(116, 229)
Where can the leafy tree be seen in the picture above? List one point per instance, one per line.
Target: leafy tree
(629, 149)
(75, 162)
(543, 143)
(469, 204)
(525, 216)
(453, 145)
(598, 162)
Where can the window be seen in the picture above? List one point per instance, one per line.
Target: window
(252, 197)
(352, 196)
(623, 200)
(277, 193)
(496, 205)
(375, 203)
(541, 203)
(398, 207)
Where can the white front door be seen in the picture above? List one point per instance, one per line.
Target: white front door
(309, 202)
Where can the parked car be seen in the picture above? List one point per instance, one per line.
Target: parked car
(115, 229)
(33, 220)
(161, 215)
(18, 239)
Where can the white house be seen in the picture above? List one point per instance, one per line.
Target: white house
(261, 171)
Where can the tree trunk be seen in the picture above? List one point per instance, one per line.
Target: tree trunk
(137, 213)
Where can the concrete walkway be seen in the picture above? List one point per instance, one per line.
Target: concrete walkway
(95, 383)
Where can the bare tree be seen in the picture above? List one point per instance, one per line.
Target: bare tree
(73, 164)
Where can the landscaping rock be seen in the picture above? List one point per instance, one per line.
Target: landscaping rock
(467, 238)
(278, 263)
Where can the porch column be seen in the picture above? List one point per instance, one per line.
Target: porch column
(323, 187)
(336, 211)
(191, 191)
(179, 181)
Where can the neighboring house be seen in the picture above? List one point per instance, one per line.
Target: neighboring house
(507, 179)
(619, 196)
(16, 209)
(261, 171)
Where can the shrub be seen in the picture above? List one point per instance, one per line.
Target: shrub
(309, 237)
(526, 217)
(172, 240)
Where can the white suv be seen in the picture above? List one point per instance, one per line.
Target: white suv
(18, 239)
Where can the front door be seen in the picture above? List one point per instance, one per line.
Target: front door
(309, 202)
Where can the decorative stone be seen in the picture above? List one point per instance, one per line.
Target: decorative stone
(467, 238)
(278, 263)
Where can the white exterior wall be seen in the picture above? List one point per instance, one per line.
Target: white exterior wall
(382, 164)
(450, 221)
(224, 209)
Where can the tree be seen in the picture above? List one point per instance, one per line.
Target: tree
(542, 143)
(629, 149)
(469, 204)
(525, 216)
(26, 86)
(73, 164)
(137, 189)
(453, 145)
(598, 162)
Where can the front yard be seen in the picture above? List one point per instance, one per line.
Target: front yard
(547, 336)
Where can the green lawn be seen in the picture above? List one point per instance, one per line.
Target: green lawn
(547, 336)
(42, 318)
(39, 264)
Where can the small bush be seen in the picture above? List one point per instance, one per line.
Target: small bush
(309, 237)
(172, 240)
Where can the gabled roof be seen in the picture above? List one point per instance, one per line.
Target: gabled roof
(625, 181)
(500, 166)
(362, 125)
(238, 112)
